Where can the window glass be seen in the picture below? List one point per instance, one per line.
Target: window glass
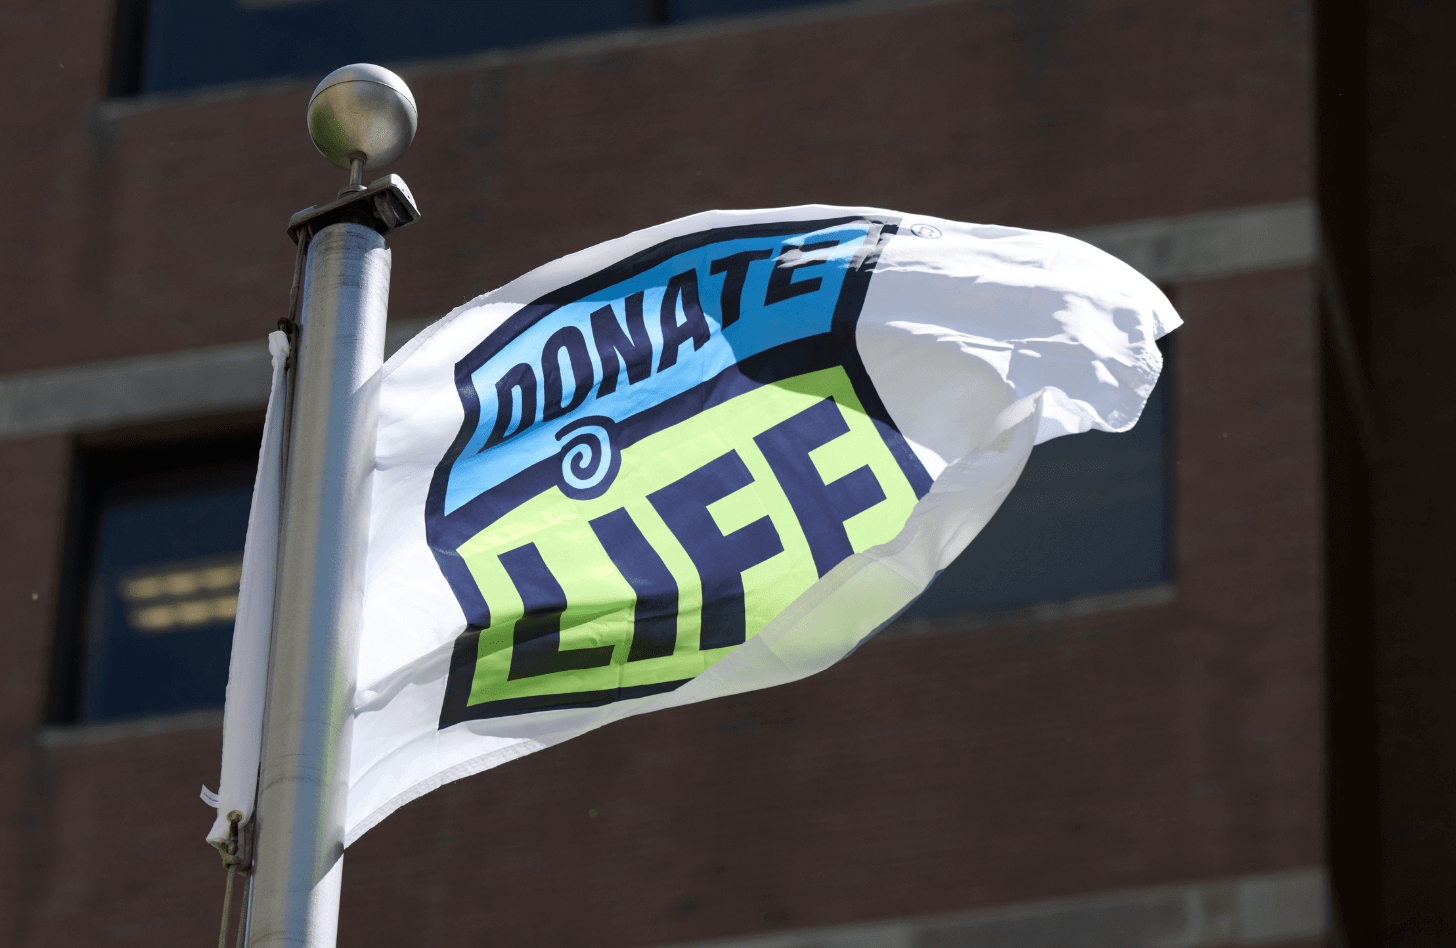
(1091, 514)
(170, 45)
(157, 584)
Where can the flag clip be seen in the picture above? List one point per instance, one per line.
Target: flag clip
(238, 854)
(289, 327)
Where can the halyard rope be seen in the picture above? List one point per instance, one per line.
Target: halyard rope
(231, 859)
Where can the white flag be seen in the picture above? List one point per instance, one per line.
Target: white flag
(711, 456)
(242, 725)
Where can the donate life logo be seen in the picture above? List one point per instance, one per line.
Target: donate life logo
(657, 460)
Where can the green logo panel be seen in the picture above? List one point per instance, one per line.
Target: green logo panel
(711, 527)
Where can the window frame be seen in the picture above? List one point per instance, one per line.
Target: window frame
(101, 460)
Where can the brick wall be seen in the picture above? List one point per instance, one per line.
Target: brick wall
(938, 771)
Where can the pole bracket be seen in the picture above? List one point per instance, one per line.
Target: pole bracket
(385, 205)
(237, 852)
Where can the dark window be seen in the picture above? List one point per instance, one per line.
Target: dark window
(167, 45)
(156, 552)
(1091, 514)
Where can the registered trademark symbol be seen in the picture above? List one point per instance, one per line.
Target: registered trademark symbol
(926, 231)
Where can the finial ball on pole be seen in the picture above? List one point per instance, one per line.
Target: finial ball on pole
(362, 117)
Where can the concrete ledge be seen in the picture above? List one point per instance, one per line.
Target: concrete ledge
(1215, 244)
(1245, 910)
(127, 391)
(1037, 612)
(200, 382)
(188, 384)
(65, 735)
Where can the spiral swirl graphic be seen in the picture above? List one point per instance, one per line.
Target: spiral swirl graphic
(589, 459)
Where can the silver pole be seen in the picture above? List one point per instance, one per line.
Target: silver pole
(339, 348)
(360, 117)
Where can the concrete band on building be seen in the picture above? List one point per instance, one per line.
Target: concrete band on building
(1249, 910)
(235, 377)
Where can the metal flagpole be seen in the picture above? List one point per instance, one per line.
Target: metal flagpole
(361, 117)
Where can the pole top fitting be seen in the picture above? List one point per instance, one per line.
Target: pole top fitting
(362, 117)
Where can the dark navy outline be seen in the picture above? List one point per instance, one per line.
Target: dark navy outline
(456, 707)
(611, 449)
(447, 532)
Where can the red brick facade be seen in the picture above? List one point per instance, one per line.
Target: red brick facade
(932, 772)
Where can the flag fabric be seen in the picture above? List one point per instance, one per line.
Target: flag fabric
(709, 457)
(242, 725)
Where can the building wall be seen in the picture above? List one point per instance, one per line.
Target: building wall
(938, 770)
(1409, 333)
